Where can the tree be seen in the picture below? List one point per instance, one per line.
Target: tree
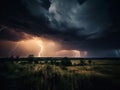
(66, 62)
(90, 62)
(82, 62)
(31, 57)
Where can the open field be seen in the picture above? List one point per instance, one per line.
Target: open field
(94, 75)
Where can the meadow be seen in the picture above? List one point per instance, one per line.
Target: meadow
(92, 75)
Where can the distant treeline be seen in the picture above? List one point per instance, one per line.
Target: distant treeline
(65, 61)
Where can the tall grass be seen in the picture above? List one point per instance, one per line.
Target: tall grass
(15, 76)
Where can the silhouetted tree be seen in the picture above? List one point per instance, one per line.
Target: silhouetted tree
(31, 57)
(90, 62)
(66, 62)
(17, 57)
(82, 62)
(11, 57)
(52, 62)
(46, 61)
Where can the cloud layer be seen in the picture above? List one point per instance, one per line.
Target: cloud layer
(77, 24)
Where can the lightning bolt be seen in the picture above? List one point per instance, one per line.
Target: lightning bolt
(40, 44)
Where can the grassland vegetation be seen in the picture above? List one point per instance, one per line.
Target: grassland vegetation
(66, 76)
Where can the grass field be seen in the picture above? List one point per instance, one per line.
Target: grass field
(99, 75)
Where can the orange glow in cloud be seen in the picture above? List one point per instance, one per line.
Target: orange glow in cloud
(31, 46)
(68, 53)
(41, 47)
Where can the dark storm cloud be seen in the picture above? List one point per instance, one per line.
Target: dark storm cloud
(5, 47)
(10, 34)
(81, 1)
(83, 24)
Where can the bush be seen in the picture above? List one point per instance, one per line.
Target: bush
(66, 62)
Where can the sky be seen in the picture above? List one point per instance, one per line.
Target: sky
(73, 28)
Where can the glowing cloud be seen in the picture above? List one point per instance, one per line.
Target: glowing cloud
(41, 47)
(68, 53)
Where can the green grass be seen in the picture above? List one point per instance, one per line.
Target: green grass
(98, 76)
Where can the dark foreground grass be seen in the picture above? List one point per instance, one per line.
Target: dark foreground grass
(15, 76)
